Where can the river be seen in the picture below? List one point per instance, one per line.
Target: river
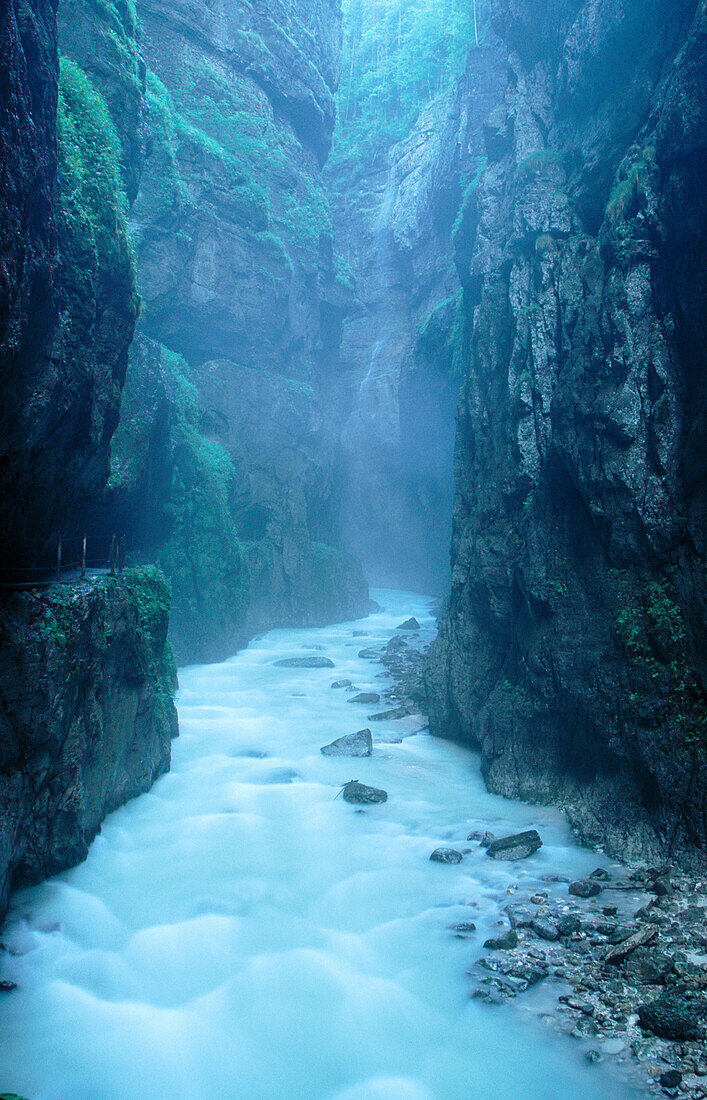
(243, 933)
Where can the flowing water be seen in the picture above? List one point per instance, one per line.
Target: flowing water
(242, 933)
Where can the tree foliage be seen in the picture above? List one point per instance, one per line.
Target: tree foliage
(398, 55)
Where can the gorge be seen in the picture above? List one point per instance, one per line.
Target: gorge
(294, 301)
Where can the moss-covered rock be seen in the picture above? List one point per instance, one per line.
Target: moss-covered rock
(87, 680)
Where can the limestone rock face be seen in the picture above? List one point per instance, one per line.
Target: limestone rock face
(67, 293)
(403, 337)
(572, 650)
(86, 715)
(238, 278)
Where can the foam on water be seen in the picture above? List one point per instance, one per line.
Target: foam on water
(242, 933)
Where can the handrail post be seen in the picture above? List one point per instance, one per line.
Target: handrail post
(83, 559)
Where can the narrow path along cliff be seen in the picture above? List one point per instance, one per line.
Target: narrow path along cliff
(242, 931)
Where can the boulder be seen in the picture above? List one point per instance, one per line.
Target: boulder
(361, 795)
(506, 942)
(584, 889)
(389, 715)
(365, 697)
(518, 846)
(305, 662)
(545, 928)
(672, 1016)
(342, 684)
(370, 654)
(353, 744)
(409, 624)
(446, 855)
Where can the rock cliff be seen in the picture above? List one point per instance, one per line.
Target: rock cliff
(242, 298)
(86, 715)
(572, 649)
(67, 293)
(86, 675)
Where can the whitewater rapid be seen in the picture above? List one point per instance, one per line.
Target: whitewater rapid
(242, 933)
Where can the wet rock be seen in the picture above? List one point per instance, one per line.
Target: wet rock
(671, 1079)
(305, 662)
(601, 874)
(637, 939)
(506, 942)
(342, 684)
(365, 697)
(545, 928)
(569, 925)
(518, 846)
(389, 715)
(396, 645)
(409, 624)
(463, 929)
(520, 916)
(353, 744)
(594, 1057)
(370, 654)
(672, 1016)
(487, 839)
(359, 794)
(585, 889)
(7, 987)
(446, 855)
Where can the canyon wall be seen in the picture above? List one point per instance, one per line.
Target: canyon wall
(242, 305)
(572, 650)
(86, 715)
(86, 673)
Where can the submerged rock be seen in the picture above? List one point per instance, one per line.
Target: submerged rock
(365, 697)
(446, 855)
(353, 744)
(518, 846)
(462, 929)
(370, 654)
(342, 684)
(361, 795)
(305, 662)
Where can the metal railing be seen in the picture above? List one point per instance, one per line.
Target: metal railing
(35, 563)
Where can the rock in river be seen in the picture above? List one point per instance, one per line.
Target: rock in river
(342, 684)
(446, 855)
(584, 889)
(506, 942)
(518, 846)
(409, 624)
(305, 662)
(361, 795)
(370, 654)
(353, 744)
(365, 697)
(673, 1016)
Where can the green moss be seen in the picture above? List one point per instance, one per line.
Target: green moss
(202, 556)
(461, 223)
(93, 205)
(651, 628)
(148, 600)
(626, 193)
